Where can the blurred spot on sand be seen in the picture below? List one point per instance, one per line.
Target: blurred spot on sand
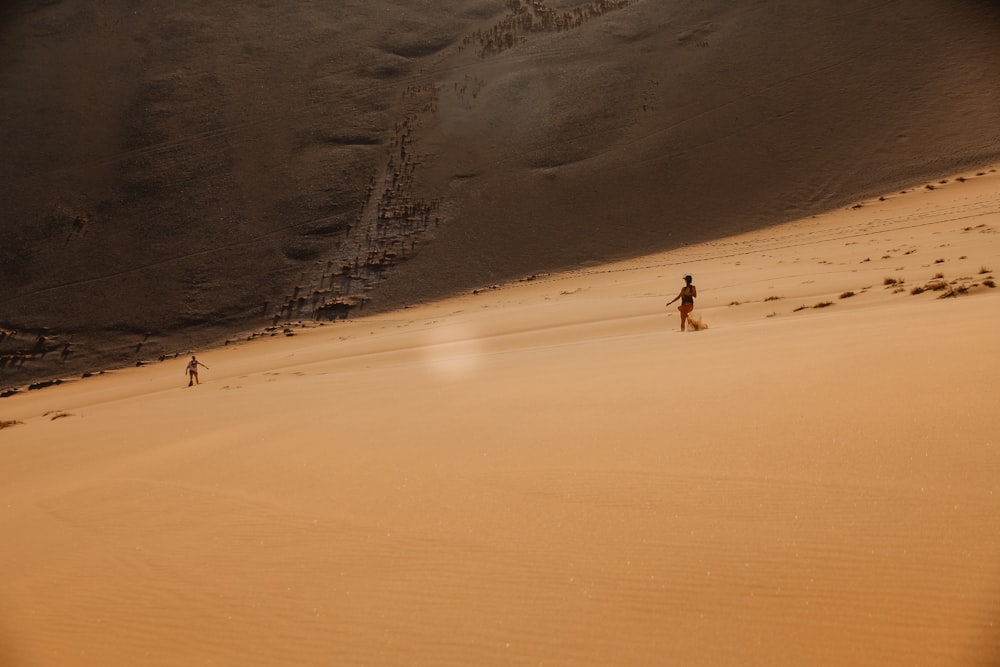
(452, 352)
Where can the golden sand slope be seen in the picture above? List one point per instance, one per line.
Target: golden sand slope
(548, 472)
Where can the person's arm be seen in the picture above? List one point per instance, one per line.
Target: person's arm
(679, 294)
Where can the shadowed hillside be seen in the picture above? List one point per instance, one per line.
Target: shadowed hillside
(175, 175)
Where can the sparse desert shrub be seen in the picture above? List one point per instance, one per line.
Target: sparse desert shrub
(847, 295)
(935, 285)
(823, 304)
(989, 282)
(773, 298)
(939, 261)
(800, 308)
(956, 289)
(7, 423)
(984, 270)
(938, 276)
(888, 282)
(735, 303)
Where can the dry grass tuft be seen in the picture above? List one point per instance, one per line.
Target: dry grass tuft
(952, 293)
(847, 295)
(823, 304)
(935, 285)
(7, 423)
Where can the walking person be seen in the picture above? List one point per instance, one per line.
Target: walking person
(686, 295)
(192, 370)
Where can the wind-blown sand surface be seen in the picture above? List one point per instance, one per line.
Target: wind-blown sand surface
(549, 472)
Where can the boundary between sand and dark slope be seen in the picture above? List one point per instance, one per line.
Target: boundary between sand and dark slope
(943, 287)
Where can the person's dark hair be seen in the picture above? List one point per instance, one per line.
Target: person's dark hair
(688, 278)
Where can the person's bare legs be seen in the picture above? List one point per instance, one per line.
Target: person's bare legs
(684, 317)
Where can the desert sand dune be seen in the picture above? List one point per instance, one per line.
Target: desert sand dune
(548, 472)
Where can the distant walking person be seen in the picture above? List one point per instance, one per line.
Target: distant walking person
(686, 295)
(192, 370)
